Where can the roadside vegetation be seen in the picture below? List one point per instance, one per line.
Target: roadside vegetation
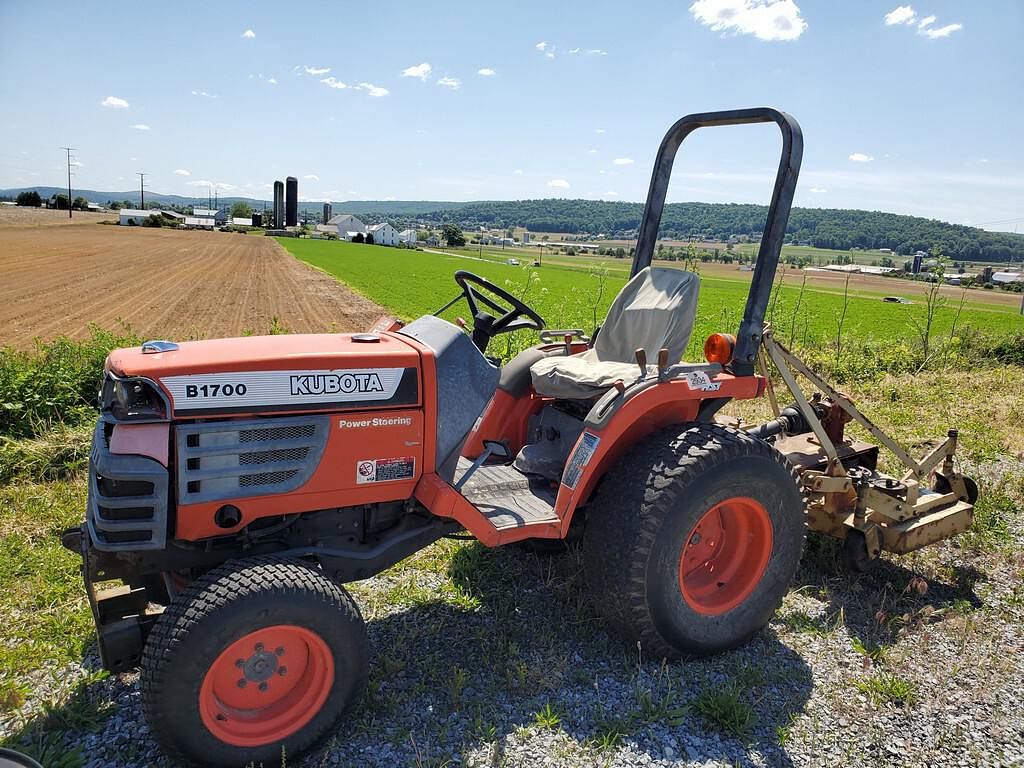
(533, 662)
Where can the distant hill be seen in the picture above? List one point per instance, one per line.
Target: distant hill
(385, 207)
(836, 228)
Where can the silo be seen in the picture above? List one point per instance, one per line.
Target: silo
(327, 212)
(291, 206)
(278, 205)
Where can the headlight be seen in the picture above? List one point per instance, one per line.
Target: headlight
(132, 399)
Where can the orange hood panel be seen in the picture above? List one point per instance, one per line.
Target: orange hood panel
(289, 373)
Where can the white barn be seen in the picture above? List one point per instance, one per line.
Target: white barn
(383, 234)
(346, 225)
(407, 236)
(127, 215)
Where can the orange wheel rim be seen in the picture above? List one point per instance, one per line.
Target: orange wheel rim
(266, 686)
(725, 555)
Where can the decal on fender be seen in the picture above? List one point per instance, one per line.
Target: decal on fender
(701, 381)
(580, 458)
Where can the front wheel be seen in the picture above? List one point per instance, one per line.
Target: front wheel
(258, 658)
(693, 540)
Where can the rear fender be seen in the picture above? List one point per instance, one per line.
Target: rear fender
(619, 420)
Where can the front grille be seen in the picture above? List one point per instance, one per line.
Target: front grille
(232, 459)
(127, 501)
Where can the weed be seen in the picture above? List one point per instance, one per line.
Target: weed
(609, 733)
(801, 621)
(661, 710)
(888, 688)
(456, 685)
(548, 717)
(992, 514)
(868, 649)
(725, 711)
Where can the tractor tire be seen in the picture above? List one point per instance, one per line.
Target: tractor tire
(256, 659)
(694, 539)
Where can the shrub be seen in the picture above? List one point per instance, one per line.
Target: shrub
(54, 383)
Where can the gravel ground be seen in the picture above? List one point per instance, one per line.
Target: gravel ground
(493, 658)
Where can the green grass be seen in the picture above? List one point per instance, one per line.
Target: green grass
(412, 283)
(888, 688)
(725, 710)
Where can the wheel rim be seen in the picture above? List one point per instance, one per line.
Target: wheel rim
(725, 555)
(266, 686)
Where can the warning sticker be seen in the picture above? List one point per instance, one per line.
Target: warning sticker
(700, 380)
(385, 470)
(580, 457)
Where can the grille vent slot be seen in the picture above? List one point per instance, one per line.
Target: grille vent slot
(231, 459)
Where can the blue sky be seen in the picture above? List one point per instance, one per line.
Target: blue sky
(908, 108)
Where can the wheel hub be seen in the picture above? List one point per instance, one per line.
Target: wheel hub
(725, 555)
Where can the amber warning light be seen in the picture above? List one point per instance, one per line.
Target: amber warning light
(718, 348)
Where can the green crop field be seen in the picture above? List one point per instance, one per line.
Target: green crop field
(411, 283)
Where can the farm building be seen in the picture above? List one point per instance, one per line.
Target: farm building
(242, 221)
(383, 234)
(346, 225)
(407, 236)
(1007, 277)
(127, 216)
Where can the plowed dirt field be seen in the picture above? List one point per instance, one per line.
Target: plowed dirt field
(56, 280)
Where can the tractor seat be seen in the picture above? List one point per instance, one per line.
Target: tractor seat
(655, 310)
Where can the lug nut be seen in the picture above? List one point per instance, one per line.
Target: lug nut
(282, 671)
(263, 687)
(695, 539)
(242, 683)
(258, 647)
(279, 651)
(239, 663)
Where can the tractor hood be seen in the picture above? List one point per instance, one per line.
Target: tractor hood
(259, 374)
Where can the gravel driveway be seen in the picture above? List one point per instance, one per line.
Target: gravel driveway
(493, 658)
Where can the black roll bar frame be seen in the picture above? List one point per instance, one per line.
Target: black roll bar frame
(748, 337)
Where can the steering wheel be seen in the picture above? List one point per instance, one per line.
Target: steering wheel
(515, 317)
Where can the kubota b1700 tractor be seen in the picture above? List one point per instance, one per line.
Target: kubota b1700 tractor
(235, 485)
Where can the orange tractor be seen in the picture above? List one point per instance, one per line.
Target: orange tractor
(235, 486)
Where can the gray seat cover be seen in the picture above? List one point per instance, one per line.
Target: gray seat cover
(654, 310)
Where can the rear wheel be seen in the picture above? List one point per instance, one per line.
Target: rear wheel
(256, 658)
(693, 540)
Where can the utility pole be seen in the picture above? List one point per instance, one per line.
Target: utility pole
(69, 151)
(142, 191)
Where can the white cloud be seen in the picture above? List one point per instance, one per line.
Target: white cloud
(818, 190)
(610, 194)
(904, 14)
(450, 82)
(600, 130)
(541, 46)
(623, 161)
(486, 72)
(558, 184)
(272, 80)
(549, 55)
(114, 102)
(764, 19)
(589, 51)
(204, 94)
(925, 22)
(591, 151)
(248, 34)
(210, 184)
(374, 90)
(860, 157)
(518, 171)
(422, 71)
(140, 127)
(78, 164)
(946, 31)
(333, 82)
(182, 172)
(316, 70)
(311, 177)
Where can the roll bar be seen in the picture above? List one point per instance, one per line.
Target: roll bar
(748, 337)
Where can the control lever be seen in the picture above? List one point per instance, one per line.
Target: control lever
(567, 338)
(662, 363)
(641, 360)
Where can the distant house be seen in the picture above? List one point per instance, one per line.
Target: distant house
(407, 237)
(383, 234)
(346, 225)
(242, 221)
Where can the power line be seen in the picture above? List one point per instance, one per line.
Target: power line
(69, 150)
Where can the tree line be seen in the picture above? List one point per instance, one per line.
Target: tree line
(833, 228)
